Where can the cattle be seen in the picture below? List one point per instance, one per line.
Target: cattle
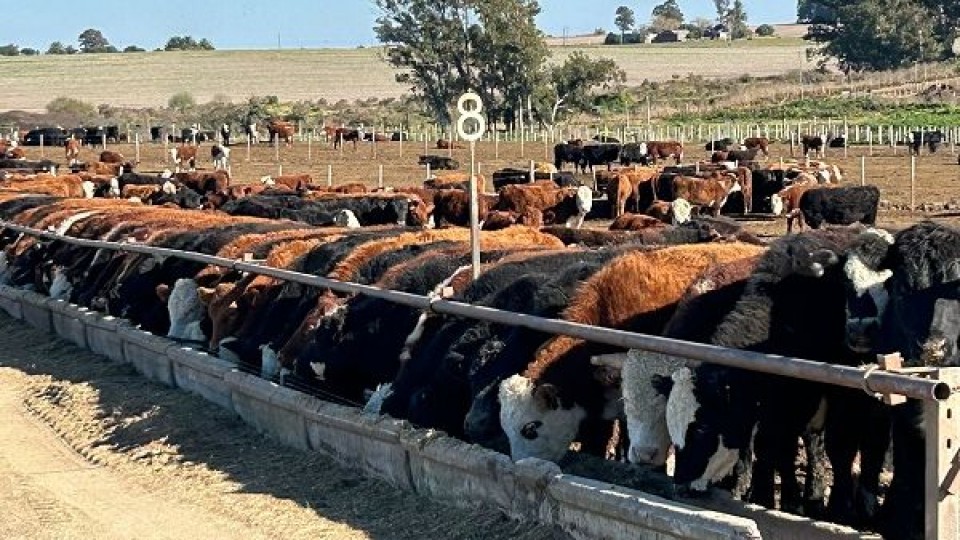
(606, 139)
(559, 398)
(598, 154)
(721, 145)
(204, 182)
(759, 143)
(736, 156)
(634, 153)
(558, 205)
(837, 142)
(72, 150)
(635, 222)
(437, 163)
(281, 130)
(843, 205)
(225, 134)
(787, 201)
(625, 187)
(496, 220)
(930, 138)
(712, 410)
(184, 154)
(665, 149)
(295, 182)
(252, 133)
(109, 156)
(711, 193)
(907, 301)
(339, 135)
(543, 171)
(568, 153)
(812, 142)
(444, 144)
(220, 156)
(452, 206)
(379, 209)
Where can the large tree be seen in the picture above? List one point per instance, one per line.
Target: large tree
(883, 34)
(814, 12)
(723, 8)
(446, 47)
(92, 41)
(668, 10)
(572, 84)
(737, 20)
(624, 20)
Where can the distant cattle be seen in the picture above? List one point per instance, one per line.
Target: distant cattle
(444, 144)
(437, 163)
(109, 156)
(932, 139)
(220, 155)
(568, 153)
(634, 153)
(599, 154)
(280, 129)
(665, 149)
(340, 135)
(184, 154)
(760, 143)
(812, 143)
(606, 139)
(721, 145)
(72, 149)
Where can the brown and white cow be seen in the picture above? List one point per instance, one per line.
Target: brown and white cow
(636, 222)
(72, 149)
(184, 154)
(711, 192)
(658, 150)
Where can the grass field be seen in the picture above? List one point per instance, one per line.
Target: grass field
(149, 79)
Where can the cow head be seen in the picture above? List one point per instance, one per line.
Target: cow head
(537, 424)
(346, 218)
(184, 307)
(867, 295)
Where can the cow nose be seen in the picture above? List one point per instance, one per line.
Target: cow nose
(646, 454)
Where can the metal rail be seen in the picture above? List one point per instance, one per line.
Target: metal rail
(872, 380)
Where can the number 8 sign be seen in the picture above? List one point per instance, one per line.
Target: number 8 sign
(473, 114)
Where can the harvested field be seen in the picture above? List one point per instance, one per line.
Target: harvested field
(149, 79)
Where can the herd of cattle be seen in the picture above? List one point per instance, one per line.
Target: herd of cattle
(837, 294)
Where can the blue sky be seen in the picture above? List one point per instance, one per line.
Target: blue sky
(256, 24)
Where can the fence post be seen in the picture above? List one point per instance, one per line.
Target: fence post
(248, 147)
(41, 145)
(103, 138)
(276, 148)
(913, 183)
(380, 176)
(136, 147)
(496, 144)
(403, 136)
(329, 175)
(941, 504)
(533, 176)
(863, 171)
(309, 146)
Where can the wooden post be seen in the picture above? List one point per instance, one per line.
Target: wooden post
(941, 502)
(136, 147)
(41, 145)
(913, 183)
(248, 147)
(309, 146)
(103, 138)
(496, 145)
(329, 175)
(863, 171)
(403, 136)
(428, 171)
(533, 175)
(380, 176)
(276, 148)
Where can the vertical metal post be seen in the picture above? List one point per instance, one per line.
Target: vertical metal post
(941, 501)
(474, 213)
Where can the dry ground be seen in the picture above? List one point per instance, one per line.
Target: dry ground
(149, 79)
(90, 449)
(938, 175)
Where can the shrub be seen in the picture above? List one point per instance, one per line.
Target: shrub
(72, 106)
(765, 30)
(181, 101)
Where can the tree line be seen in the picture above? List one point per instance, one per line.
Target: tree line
(870, 35)
(92, 40)
(731, 20)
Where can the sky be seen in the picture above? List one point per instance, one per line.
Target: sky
(259, 24)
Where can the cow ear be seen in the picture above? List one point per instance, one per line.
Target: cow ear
(662, 384)
(205, 294)
(547, 397)
(163, 292)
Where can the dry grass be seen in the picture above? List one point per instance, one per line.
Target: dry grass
(149, 79)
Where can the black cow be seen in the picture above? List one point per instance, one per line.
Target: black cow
(837, 142)
(438, 163)
(568, 153)
(599, 154)
(369, 210)
(840, 206)
(634, 153)
(917, 271)
(797, 275)
(812, 142)
(722, 145)
(512, 176)
(738, 156)
(225, 134)
(33, 166)
(183, 197)
(930, 138)
(606, 139)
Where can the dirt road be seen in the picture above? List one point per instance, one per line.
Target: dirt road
(89, 449)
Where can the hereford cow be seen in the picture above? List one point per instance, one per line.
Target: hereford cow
(711, 192)
(184, 154)
(72, 148)
(444, 144)
(281, 129)
(560, 397)
(664, 149)
(635, 222)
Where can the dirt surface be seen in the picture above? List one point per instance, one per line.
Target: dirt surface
(90, 449)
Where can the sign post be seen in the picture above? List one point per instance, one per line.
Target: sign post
(470, 106)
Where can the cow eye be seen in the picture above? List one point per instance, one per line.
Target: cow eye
(529, 430)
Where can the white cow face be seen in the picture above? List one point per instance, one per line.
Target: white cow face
(184, 307)
(535, 422)
(867, 295)
(645, 407)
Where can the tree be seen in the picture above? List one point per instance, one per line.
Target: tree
(765, 30)
(9, 50)
(187, 43)
(71, 50)
(446, 47)
(56, 48)
(181, 101)
(92, 41)
(133, 48)
(625, 20)
(68, 105)
(737, 20)
(723, 8)
(668, 10)
(29, 51)
(814, 12)
(572, 83)
(662, 23)
(881, 34)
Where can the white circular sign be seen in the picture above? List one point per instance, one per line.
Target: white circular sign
(473, 114)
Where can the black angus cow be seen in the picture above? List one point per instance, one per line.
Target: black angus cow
(932, 139)
(599, 154)
(634, 153)
(915, 312)
(738, 156)
(840, 206)
(43, 165)
(369, 210)
(225, 134)
(728, 411)
(510, 176)
(568, 153)
(438, 163)
(812, 142)
(606, 139)
(837, 142)
(721, 145)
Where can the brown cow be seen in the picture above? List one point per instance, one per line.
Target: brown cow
(142, 192)
(636, 222)
(281, 129)
(296, 182)
(72, 149)
(452, 206)
(761, 143)
(664, 149)
(339, 135)
(109, 156)
(184, 153)
(444, 144)
(625, 186)
(204, 181)
(788, 199)
(498, 219)
(705, 192)
(557, 204)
